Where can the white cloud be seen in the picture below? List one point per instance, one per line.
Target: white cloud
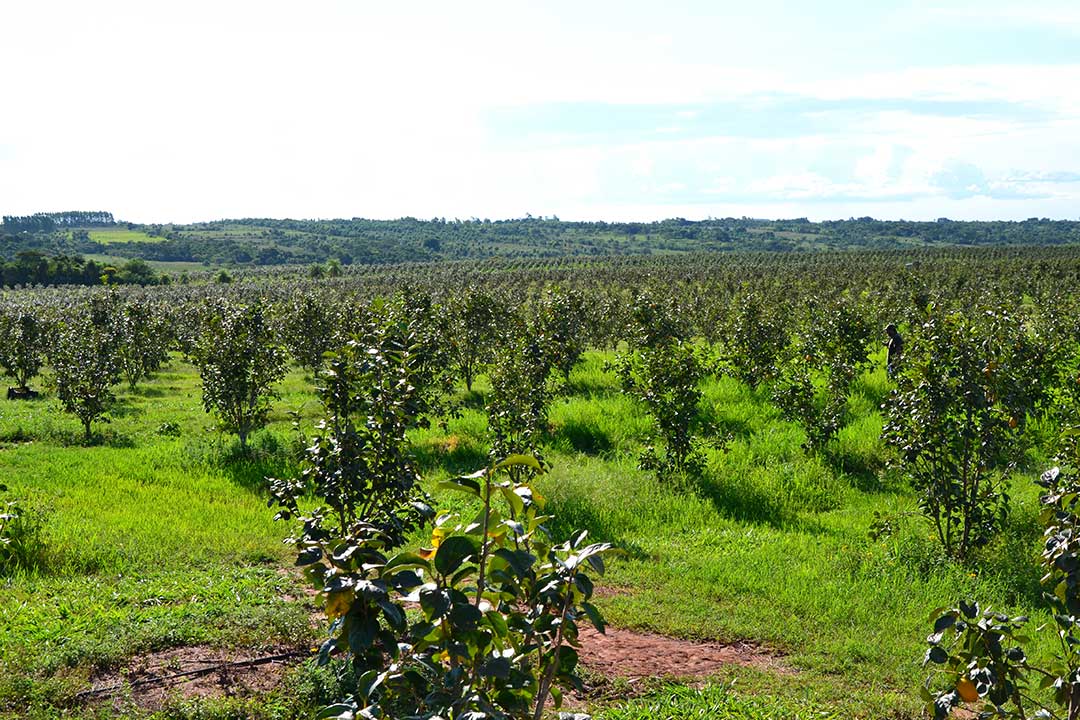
(206, 109)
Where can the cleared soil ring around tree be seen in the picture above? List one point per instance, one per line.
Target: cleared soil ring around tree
(150, 681)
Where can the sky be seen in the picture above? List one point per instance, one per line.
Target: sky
(586, 110)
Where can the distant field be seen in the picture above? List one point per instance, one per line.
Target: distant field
(121, 235)
(159, 265)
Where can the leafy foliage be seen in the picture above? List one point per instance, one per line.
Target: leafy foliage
(981, 653)
(664, 373)
(239, 362)
(956, 418)
(815, 379)
(23, 335)
(21, 543)
(85, 357)
(145, 338)
(520, 391)
(308, 328)
(562, 321)
(499, 608)
(373, 390)
(472, 323)
(754, 342)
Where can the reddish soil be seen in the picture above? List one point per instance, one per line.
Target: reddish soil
(635, 655)
(149, 682)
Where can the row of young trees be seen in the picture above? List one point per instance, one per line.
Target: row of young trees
(978, 370)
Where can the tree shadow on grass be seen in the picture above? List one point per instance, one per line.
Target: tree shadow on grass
(743, 500)
(99, 437)
(587, 387)
(570, 516)
(123, 407)
(865, 474)
(472, 399)
(148, 392)
(581, 437)
(1013, 558)
(250, 468)
(456, 454)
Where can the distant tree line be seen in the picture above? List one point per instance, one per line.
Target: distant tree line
(264, 242)
(49, 222)
(31, 267)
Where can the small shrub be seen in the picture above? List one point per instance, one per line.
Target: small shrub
(21, 543)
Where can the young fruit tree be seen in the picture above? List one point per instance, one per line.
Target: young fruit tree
(517, 406)
(239, 363)
(85, 357)
(23, 336)
(664, 372)
(495, 604)
(145, 338)
(955, 420)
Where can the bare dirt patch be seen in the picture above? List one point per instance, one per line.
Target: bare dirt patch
(150, 681)
(637, 655)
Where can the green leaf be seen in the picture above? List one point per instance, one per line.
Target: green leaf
(519, 560)
(368, 682)
(406, 560)
(362, 632)
(944, 622)
(453, 551)
(464, 616)
(497, 622)
(496, 667)
(434, 602)
(937, 654)
(517, 505)
(308, 556)
(513, 460)
(341, 711)
(595, 617)
(461, 484)
(394, 614)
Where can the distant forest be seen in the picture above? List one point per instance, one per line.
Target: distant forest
(250, 242)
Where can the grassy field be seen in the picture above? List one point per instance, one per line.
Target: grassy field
(110, 236)
(159, 536)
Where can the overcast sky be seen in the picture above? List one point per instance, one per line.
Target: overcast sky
(191, 110)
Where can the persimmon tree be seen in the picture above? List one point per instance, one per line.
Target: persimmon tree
(561, 319)
(664, 371)
(815, 377)
(499, 601)
(239, 363)
(85, 357)
(956, 417)
(23, 336)
(145, 336)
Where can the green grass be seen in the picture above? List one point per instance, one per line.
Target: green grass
(155, 541)
(715, 702)
(121, 235)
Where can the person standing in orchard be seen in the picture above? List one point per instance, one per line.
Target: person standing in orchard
(895, 345)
